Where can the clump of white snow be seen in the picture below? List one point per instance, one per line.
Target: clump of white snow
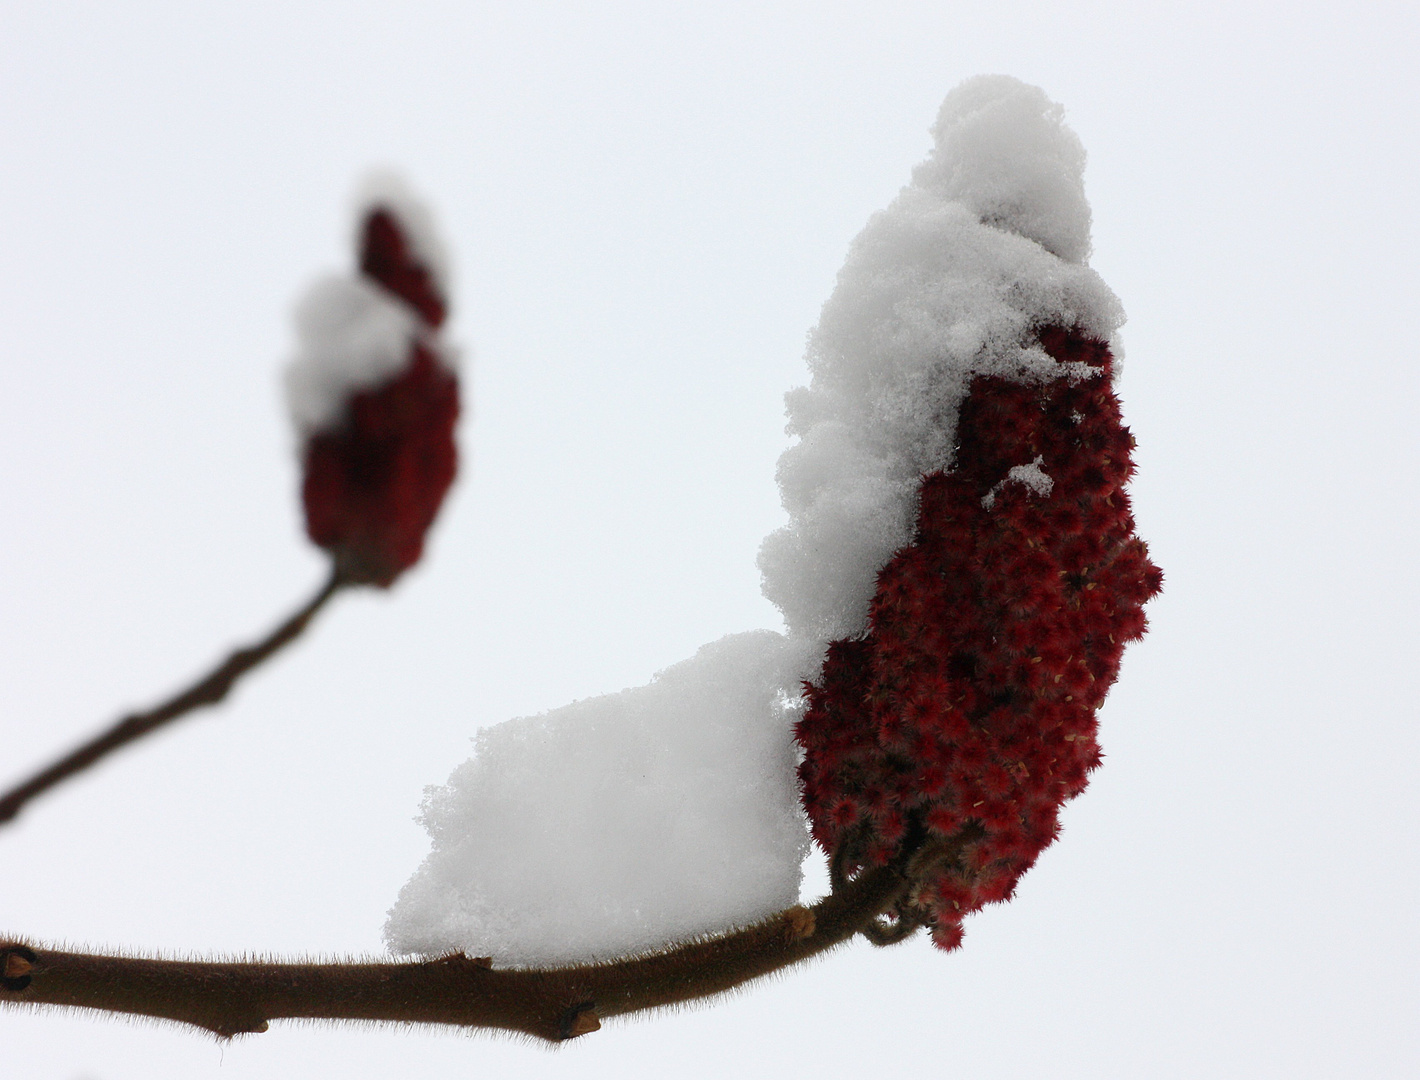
(627, 821)
(1003, 151)
(983, 247)
(351, 334)
(616, 824)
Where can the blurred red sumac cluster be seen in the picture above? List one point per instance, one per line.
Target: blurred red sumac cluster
(374, 481)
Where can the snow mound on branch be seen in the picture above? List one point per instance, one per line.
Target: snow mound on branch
(628, 821)
(983, 247)
(618, 823)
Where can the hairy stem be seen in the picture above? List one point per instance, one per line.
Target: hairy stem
(553, 1004)
(208, 690)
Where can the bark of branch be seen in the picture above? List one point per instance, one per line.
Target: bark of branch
(553, 1004)
(208, 690)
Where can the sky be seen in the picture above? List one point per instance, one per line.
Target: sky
(646, 207)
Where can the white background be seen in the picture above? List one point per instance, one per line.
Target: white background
(647, 205)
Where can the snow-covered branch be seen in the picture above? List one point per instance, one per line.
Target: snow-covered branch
(959, 576)
(235, 998)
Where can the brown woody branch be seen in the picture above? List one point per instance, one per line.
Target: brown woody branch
(209, 690)
(553, 1004)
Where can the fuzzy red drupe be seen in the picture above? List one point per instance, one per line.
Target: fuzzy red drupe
(375, 480)
(992, 640)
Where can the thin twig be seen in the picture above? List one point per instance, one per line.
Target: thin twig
(209, 690)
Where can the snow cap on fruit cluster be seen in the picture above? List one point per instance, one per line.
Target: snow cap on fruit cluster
(963, 367)
(983, 247)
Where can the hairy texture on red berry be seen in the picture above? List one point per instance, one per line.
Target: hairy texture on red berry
(993, 638)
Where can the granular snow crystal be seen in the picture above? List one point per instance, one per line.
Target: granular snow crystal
(958, 577)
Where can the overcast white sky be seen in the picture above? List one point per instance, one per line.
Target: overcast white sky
(647, 205)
